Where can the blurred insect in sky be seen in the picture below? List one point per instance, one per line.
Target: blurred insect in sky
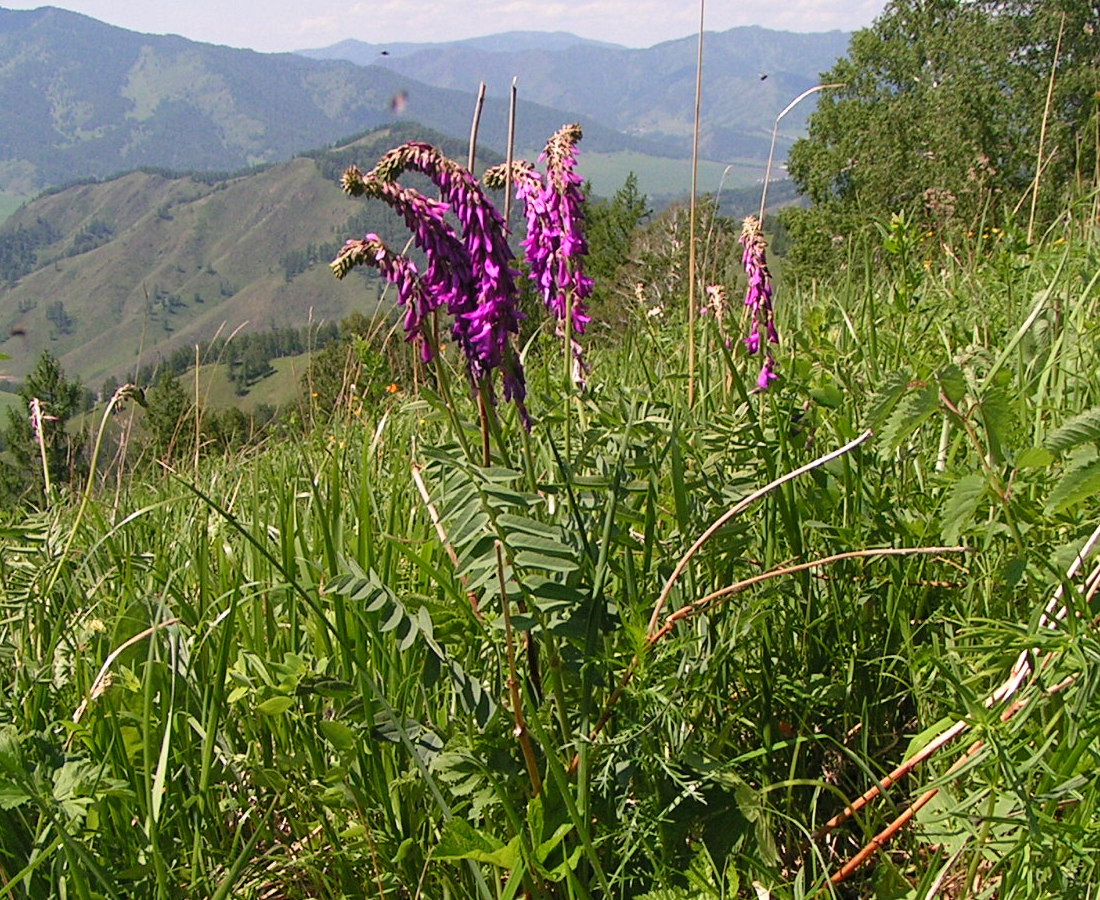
(398, 103)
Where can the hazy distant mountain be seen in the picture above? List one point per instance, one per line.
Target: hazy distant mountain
(749, 75)
(80, 98)
(364, 54)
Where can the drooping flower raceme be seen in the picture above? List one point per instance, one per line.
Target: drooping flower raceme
(718, 307)
(484, 323)
(555, 246)
(468, 274)
(758, 298)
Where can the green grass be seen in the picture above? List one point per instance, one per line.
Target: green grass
(9, 203)
(8, 401)
(299, 672)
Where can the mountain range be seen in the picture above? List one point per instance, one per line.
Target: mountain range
(79, 98)
(749, 75)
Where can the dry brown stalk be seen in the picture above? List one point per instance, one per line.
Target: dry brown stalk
(1022, 669)
(1043, 130)
(697, 606)
(98, 684)
(691, 609)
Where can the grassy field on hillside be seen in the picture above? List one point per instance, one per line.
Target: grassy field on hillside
(9, 203)
(657, 647)
(216, 391)
(663, 178)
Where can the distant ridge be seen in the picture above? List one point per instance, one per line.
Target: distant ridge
(365, 54)
(646, 93)
(150, 261)
(80, 98)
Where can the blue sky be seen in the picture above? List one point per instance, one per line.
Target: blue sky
(274, 25)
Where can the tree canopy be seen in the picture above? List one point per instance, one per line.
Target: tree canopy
(941, 111)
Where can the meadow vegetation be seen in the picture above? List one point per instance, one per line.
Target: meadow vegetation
(653, 630)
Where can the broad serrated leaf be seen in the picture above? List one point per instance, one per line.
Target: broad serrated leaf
(961, 506)
(952, 383)
(1076, 485)
(1081, 429)
(996, 410)
(12, 795)
(886, 398)
(1034, 458)
(912, 411)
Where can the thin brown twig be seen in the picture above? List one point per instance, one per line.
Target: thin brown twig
(1054, 611)
(685, 612)
(1043, 129)
(697, 606)
(98, 682)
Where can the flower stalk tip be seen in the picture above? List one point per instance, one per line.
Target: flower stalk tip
(759, 299)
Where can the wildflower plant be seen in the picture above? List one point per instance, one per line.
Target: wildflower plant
(468, 272)
(758, 298)
(555, 245)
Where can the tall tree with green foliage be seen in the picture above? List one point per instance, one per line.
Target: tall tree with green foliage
(610, 227)
(58, 400)
(170, 418)
(940, 116)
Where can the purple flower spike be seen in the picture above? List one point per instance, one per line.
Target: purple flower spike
(555, 245)
(767, 373)
(469, 274)
(758, 297)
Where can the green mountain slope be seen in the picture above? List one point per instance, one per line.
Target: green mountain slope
(147, 262)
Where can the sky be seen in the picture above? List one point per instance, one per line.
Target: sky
(283, 25)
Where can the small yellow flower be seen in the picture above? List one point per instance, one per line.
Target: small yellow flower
(392, 388)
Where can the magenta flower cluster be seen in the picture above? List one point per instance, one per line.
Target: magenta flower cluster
(468, 273)
(555, 245)
(758, 298)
